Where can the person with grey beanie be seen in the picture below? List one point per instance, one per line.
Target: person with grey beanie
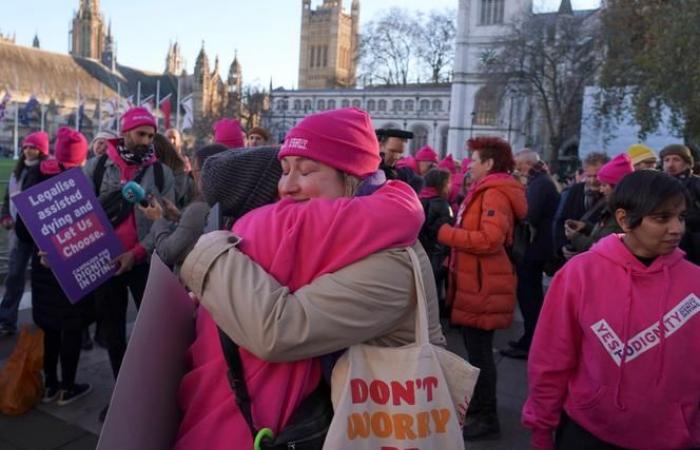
(238, 181)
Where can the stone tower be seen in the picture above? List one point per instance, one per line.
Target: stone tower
(109, 56)
(87, 35)
(202, 80)
(35, 42)
(234, 88)
(173, 61)
(329, 38)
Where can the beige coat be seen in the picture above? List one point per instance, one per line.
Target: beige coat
(370, 301)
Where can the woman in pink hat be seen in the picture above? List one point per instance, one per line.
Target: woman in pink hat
(427, 158)
(62, 322)
(347, 281)
(35, 148)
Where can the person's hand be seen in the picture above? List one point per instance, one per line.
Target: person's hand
(42, 259)
(153, 212)
(568, 253)
(171, 211)
(7, 222)
(124, 262)
(572, 227)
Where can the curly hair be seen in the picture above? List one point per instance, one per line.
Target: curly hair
(496, 149)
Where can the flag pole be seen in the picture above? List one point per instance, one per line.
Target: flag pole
(16, 129)
(177, 119)
(99, 106)
(138, 94)
(43, 115)
(77, 110)
(157, 102)
(119, 104)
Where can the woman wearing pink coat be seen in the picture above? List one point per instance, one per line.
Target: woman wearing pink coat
(615, 360)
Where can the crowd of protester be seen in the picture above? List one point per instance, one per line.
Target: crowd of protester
(314, 263)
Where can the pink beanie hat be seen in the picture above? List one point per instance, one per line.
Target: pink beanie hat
(448, 164)
(39, 140)
(341, 138)
(427, 154)
(408, 161)
(71, 147)
(615, 170)
(137, 117)
(228, 132)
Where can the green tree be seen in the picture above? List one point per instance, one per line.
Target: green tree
(652, 64)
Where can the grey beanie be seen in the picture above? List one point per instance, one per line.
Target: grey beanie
(241, 180)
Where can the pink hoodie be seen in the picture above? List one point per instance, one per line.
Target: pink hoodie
(284, 239)
(644, 395)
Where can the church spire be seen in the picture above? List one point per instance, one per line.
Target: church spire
(35, 42)
(565, 7)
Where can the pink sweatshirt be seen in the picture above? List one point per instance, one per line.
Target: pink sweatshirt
(644, 395)
(294, 242)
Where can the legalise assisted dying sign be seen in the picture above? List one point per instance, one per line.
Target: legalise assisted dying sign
(67, 222)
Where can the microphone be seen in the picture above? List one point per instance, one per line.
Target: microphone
(134, 193)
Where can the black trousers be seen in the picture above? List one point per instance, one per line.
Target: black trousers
(530, 298)
(572, 436)
(111, 301)
(479, 344)
(63, 345)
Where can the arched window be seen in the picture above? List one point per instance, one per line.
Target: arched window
(486, 106)
(321, 105)
(357, 103)
(382, 105)
(492, 12)
(396, 105)
(370, 105)
(437, 105)
(425, 105)
(443, 141)
(307, 105)
(345, 103)
(331, 104)
(297, 105)
(420, 138)
(408, 105)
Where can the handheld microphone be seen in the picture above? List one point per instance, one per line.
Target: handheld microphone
(134, 193)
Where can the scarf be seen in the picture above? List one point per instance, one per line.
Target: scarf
(429, 192)
(135, 157)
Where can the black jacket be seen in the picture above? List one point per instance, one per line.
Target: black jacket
(573, 207)
(691, 241)
(437, 213)
(542, 202)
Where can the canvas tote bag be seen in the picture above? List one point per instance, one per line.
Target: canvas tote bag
(411, 397)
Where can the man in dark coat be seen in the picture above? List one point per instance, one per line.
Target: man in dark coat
(678, 162)
(580, 199)
(542, 201)
(392, 145)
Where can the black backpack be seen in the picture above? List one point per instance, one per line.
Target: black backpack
(114, 204)
(307, 427)
(523, 237)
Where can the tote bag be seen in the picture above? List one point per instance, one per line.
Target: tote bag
(411, 397)
(21, 386)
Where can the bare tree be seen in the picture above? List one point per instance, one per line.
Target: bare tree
(434, 42)
(550, 58)
(386, 49)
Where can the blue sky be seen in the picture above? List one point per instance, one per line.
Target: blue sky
(265, 32)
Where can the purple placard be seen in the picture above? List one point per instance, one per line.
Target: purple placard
(67, 222)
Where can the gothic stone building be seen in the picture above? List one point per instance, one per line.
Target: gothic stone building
(329, 41)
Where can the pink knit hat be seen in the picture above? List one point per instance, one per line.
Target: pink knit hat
(427, 154)
(137, 117)
(39, 140)
(615, 170)
(71, 147)
(407, 161)
(448, 164)
(228, 132)
(341, 138)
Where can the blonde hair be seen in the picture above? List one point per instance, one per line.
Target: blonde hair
(351, 183)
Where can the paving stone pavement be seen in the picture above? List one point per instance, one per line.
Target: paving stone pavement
(76, 427)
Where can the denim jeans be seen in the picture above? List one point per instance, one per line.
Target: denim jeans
(20, 254)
